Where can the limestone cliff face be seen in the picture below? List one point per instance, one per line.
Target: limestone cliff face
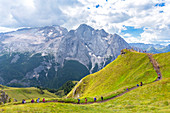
(88, 45)
(49, 56)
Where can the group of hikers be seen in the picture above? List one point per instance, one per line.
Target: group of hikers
(32, 101)
(137, 85)
(140, 84)
(78, 100)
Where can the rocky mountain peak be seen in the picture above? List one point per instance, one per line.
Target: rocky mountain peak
(103, 33)
(84, 27)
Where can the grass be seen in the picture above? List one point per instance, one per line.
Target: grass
(163, 60)
(27, 93)
(125, 72)
(52, 108)
(151, 98)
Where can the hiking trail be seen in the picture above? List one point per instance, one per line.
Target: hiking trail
(155, 64)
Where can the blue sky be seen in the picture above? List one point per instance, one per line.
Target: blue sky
(160, 4)
(144, 21)
(135, 32)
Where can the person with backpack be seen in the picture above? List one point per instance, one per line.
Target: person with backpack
(101, 98)
(159, 75)
(23, 101)
(94, 99)
(32, 101)
(43, 99)
(78, 101)
(38, 100)
(141, 83)
(85, 100)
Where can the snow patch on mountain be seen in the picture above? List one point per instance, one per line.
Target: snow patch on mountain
(14, 60)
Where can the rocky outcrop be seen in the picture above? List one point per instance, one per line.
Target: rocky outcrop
(4, 98)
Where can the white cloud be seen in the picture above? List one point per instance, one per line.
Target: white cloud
(111, 16)
(127, 35)
(5, 29)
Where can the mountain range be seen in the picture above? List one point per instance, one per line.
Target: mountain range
(49, 56)
(150, 48)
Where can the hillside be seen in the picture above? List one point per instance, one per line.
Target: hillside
(27, 93)
(153, 97)
(125, 72)
(150, 98)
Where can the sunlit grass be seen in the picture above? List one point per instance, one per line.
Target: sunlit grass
(27, 93)
(125, 72)
(150, 98)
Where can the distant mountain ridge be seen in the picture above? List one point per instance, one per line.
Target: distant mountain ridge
(49, 56)
(150, 48)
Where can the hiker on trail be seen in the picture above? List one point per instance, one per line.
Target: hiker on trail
(32, 101)
(101, 98)
(141, 83)
(159, 75)
(94, 99)
(137, 85)
(23, 101)
(127, 89)
(43, 99)
(85, 100)
(38, 100)
(78, 101)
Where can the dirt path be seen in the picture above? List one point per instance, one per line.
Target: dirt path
(97, 101)
(156, 67)
(112, 97)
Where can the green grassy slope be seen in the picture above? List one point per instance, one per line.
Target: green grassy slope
(151, 98)
(27, 93)
(163, 60)
(53, 108)
(125, 72)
